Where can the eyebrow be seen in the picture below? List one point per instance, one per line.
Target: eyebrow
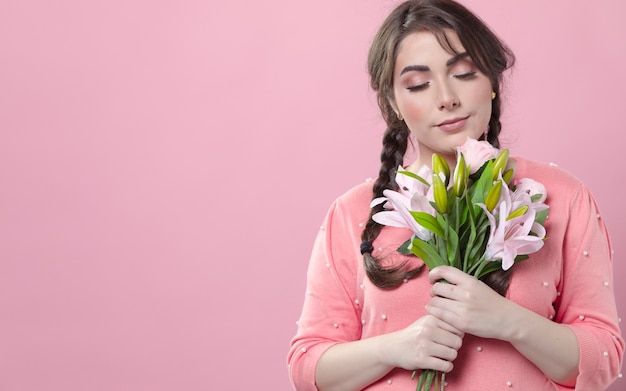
(424, 68)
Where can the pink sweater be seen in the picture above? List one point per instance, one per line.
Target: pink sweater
(569, 281)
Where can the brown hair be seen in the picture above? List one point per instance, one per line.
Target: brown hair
(490, 55)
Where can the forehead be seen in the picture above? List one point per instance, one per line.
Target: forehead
(423, 48)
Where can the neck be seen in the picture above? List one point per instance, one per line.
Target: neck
(427, 161)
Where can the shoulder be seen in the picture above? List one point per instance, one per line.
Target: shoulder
(552, 176)
(358, 194)
(567, 195)
(355, 202)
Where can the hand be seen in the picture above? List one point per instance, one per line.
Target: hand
(468, 304)
(427, 343)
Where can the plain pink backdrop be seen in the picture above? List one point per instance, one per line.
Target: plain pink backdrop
(165, 165)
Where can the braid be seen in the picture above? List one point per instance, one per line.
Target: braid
(499, 280)
(395, 143)
(495, 126)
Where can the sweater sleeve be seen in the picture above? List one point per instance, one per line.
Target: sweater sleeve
(330, 312)
(587, 301)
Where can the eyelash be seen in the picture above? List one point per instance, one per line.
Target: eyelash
(418, 87)
(462, 76)
(466, 75)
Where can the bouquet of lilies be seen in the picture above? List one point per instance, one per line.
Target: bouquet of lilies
(476, 220)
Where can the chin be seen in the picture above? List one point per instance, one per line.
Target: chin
(460, 138)
(456, 141)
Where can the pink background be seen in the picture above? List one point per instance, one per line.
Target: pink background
(165, 165)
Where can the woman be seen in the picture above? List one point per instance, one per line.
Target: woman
(372, 316)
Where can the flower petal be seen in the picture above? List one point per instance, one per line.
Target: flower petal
(391, 218)
(377, 201)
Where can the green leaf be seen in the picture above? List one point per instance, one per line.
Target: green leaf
(414, 176)
(472, 210)
(462, 213)
(541, 216)
(536, 197)
(428, 221)
(482, 186)
(521, 258)
(441, 247)
(405, 248)
(477, 241)
(469, 239)
(442, 222)
(452, 246)
(427, 253)
(490, 267)
(456, 210)
(478, 246)
(476, 175)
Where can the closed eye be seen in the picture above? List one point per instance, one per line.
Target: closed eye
(418, 87)
(466, 75)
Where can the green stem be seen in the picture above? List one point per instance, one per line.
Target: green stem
(478, 267)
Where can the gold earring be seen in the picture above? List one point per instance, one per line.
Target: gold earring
(399, 116)
(493, 95)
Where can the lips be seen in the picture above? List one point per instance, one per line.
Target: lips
(452, 125)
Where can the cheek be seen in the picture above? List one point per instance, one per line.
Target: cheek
(413, 110)
(414, 113)
(478, 90)
(481, 94)
(482, 100)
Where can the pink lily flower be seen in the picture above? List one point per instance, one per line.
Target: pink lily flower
(523, 194)
(412, 196)
(532, 188)
(509, 238)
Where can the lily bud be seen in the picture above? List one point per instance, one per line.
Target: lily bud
(500, 164)
(461, 174)
(508, 175)
(493, 196)
(440, 165)
(521, 211)
(440, 194)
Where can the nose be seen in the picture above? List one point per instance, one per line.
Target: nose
(448, 99)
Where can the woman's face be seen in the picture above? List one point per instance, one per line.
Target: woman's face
(443, 97)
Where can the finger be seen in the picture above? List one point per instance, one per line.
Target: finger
(443, 352)
(444, 289)
(437, 364)
(443, 310)
(448, 328)
(450, 340)
(448, 273)
(443, 303)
